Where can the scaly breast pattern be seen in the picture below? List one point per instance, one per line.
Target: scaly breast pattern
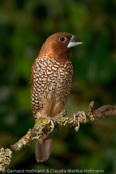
(51, 86)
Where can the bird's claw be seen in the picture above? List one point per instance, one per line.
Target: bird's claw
(82, 115)
(78, 124)
(50, 121)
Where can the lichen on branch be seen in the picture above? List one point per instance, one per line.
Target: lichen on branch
(45, 125)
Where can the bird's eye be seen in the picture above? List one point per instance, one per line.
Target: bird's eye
(62, 39)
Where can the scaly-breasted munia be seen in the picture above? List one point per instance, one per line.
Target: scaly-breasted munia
(51, 78)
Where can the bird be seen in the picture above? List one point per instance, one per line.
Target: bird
(51, 78)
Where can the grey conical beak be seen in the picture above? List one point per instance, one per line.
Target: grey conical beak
(74, 41)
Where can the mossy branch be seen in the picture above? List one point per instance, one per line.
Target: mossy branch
(45, 126)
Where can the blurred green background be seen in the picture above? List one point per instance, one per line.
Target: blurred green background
(24, 26)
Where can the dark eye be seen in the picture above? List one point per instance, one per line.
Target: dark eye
(62, 39)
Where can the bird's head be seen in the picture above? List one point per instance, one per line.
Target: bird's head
(58, 46)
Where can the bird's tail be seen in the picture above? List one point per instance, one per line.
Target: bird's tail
(43, 150)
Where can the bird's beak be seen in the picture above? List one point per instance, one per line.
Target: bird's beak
(74, 41)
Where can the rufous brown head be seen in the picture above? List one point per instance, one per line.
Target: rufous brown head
(58, 46)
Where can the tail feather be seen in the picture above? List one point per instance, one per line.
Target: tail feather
(43, 150)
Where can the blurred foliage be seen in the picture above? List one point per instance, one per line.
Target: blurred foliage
(24, 26)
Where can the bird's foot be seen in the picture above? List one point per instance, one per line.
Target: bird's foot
(81, 115)
(48, 122)
(63, 113)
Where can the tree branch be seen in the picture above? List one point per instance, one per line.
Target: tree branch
(45, 126)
